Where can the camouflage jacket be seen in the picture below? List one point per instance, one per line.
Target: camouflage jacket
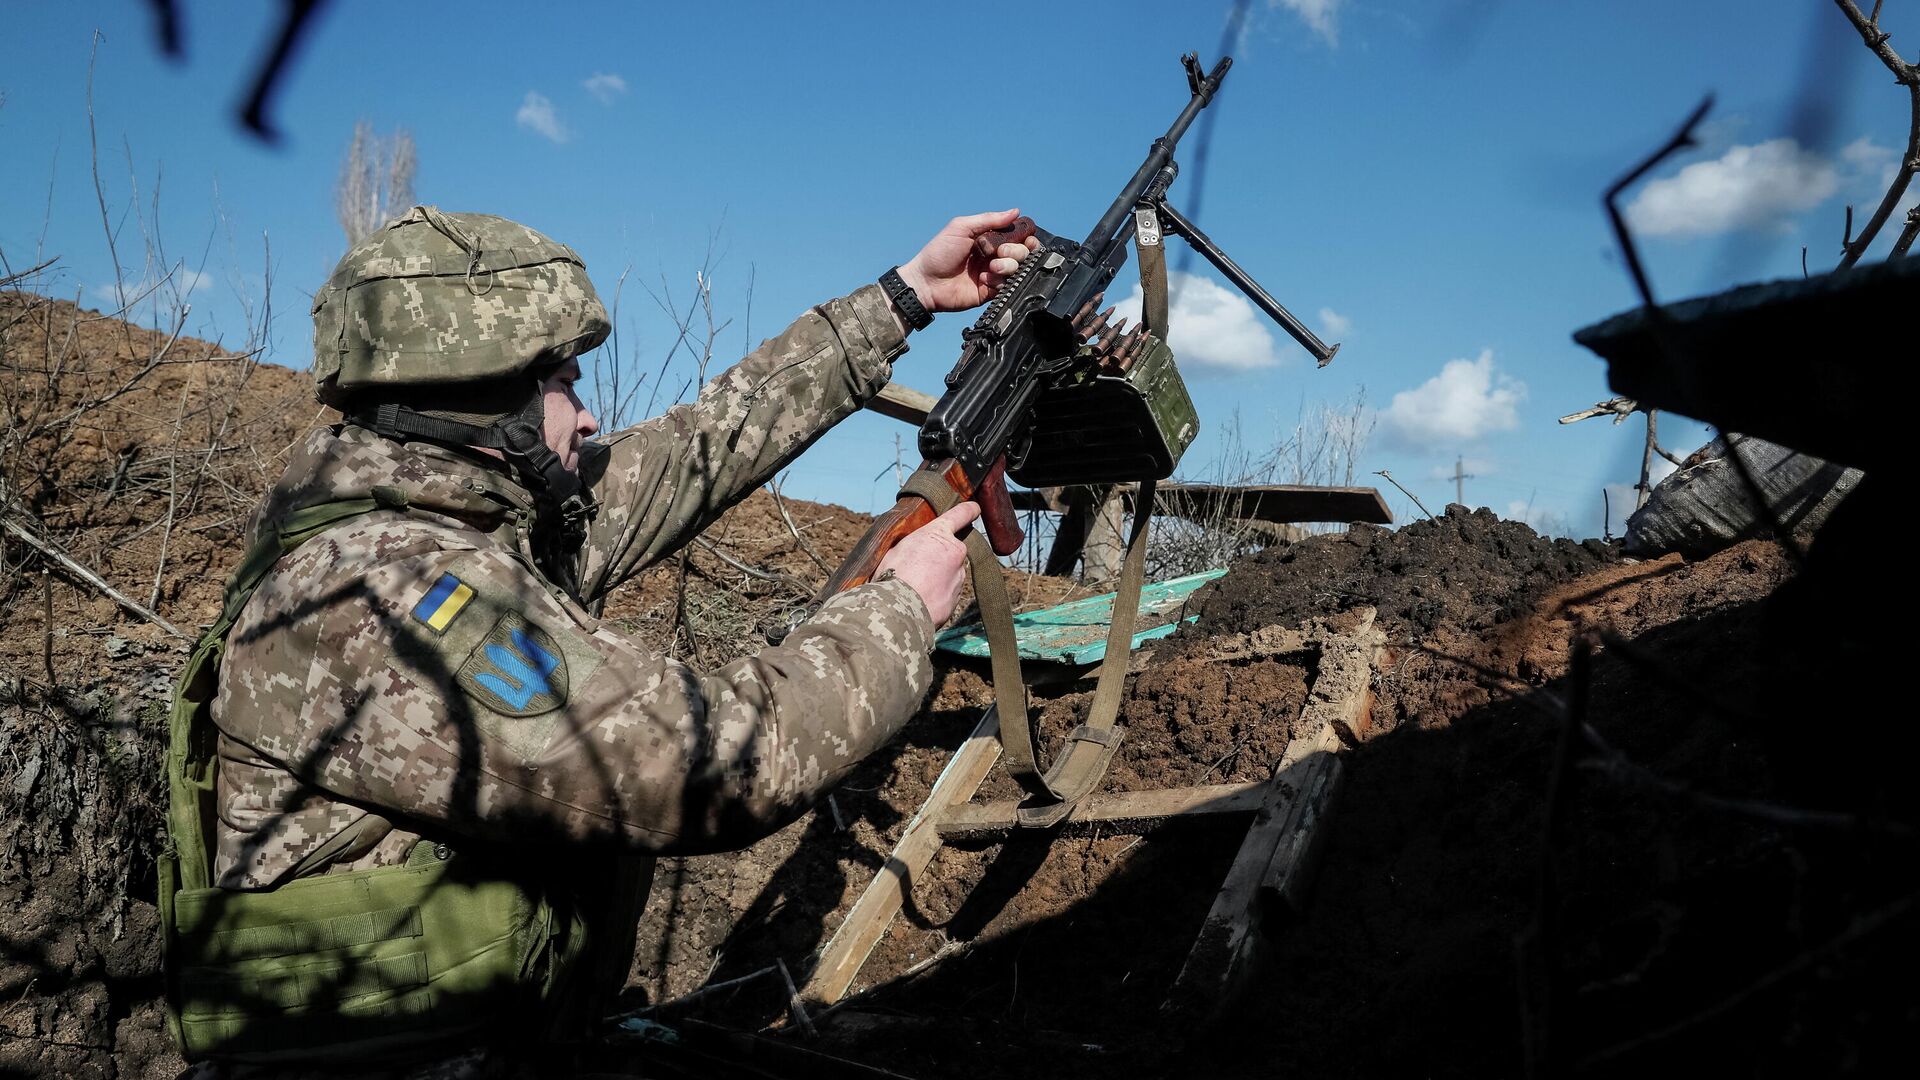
(410, 672)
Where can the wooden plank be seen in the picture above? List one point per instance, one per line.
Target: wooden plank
(867, 923)
(1296, 854)
(1223, 953)
(902, 403)
(1111, 812)
(1269, 874)
(1281, 504)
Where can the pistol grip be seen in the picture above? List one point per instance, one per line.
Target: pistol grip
(988, 243)
(996, 510)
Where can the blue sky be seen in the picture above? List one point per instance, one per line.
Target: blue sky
(1419, 181)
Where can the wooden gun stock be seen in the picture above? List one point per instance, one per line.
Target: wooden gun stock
(911, 512)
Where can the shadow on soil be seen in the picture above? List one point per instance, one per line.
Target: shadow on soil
(1696, 915)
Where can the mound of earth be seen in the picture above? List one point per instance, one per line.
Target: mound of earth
(1686, 898)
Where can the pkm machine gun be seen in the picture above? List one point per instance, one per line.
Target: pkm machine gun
(1032, 397)
(1048, 394)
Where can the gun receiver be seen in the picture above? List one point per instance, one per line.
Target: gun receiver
(1031, 397)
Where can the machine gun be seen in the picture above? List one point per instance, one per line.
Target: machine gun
(1045, 391)
(1032, 397)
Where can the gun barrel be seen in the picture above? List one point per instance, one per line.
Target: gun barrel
(1103, 234)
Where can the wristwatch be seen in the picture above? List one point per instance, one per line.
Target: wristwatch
(904, 298)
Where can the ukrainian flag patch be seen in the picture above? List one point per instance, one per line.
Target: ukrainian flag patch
(442, 602)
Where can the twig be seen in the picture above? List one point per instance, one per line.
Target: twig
(1619, 408)
(74, 567)
(1863, 927)
(706, 991)
(27, 273)
(46, 594)
(1645, 486)
(1681, 139)
(750, 571)
(173, 497)
(1906, 75)
(780, 504)
(794, 1003)
(100, 192)
(1404, 491)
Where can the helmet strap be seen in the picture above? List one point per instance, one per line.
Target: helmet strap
(562, 506)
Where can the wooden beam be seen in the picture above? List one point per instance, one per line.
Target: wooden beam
(1269, 875)
(1112, 812)
(1281, 504)
(867, 923)
(902, 403)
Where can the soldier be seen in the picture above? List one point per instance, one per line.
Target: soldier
(414, 780)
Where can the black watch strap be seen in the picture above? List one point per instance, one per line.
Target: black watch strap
(904, 298)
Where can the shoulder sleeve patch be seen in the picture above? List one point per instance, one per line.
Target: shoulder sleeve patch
(487, 638)
(517, 669)
(448, 597)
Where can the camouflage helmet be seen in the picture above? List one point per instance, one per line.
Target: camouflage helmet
(439, 299)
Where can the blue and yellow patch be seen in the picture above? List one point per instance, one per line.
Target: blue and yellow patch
(516, 670)
(442, 602)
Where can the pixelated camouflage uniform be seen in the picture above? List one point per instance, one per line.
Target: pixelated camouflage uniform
(335, 699)
(358, 714)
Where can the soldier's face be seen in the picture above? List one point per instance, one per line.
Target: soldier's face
(568, 421)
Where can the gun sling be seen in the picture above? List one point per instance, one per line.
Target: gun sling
(1090, 746)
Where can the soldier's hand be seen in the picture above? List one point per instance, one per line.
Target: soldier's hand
(952, 274)
(933, 560)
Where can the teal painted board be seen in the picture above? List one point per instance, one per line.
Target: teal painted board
(1076, 633)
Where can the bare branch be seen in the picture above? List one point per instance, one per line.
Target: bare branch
(79, 570)
(1404, 491)
(27, 273)
(1681, 140)
(1906, 75)
(1619, 408)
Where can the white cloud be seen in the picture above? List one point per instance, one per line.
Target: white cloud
(174, 287)
(1748, 187)
(538, 116)
(1334, 323)
(1467, 400)
(1321, 16)
(1873, 167)
(1212, 325)
(605, 86)
(1870, 157)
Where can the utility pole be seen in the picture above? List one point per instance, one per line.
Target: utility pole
(1460, 476)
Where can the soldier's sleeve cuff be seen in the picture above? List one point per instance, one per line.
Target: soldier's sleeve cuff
(875, 314)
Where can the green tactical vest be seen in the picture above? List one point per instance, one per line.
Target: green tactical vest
(383, 966)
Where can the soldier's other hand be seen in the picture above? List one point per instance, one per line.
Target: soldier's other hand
(933, 559)
(952, 274)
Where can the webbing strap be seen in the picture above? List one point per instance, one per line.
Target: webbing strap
(190, 746)
(1153, 271)
(315, 935)
(1090, 746)
(996, 613)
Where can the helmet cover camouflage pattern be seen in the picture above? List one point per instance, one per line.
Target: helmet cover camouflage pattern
(439, 299)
